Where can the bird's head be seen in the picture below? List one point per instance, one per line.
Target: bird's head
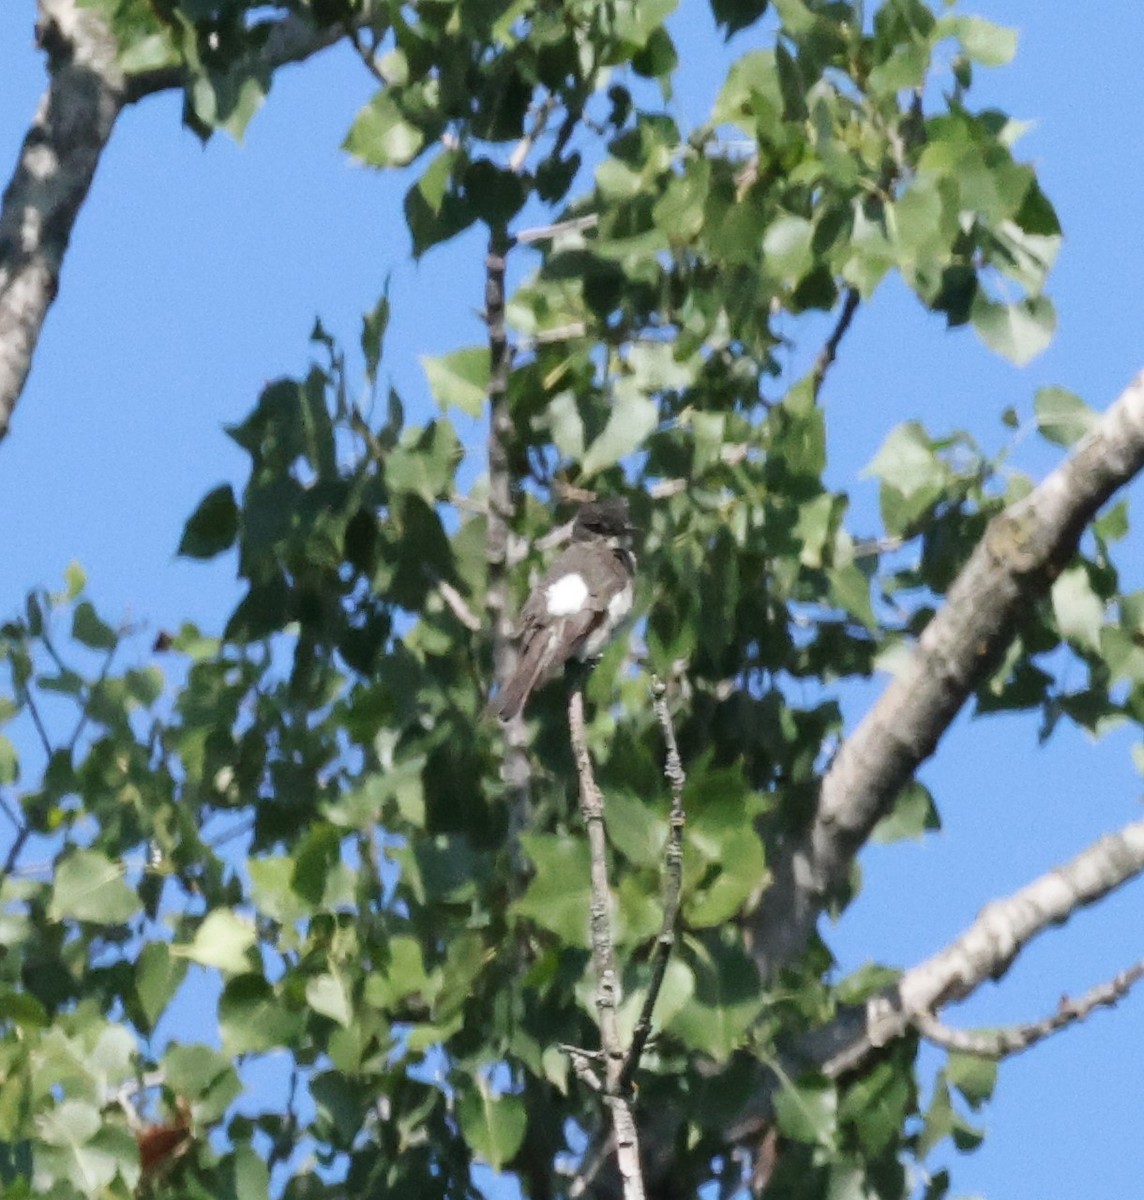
(607, 520)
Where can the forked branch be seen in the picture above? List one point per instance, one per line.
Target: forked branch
(604, 957)
(1013, 1039)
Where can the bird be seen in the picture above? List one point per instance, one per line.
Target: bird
(578, 606)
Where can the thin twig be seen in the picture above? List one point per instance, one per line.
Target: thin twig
(582, 1065)
(829, 351)
(364, 53)
(453, 599)
(84, 715)
(558, 333)
(38, 721)
(672, 888)
(7, 809)
(283, 1144)
(598, 1152)
(547, 233)
(604, 956)
(523, 148)
(1013, 1039)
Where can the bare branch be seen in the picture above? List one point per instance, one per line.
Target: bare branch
(603, 953)
(672, 889)
(989, 946)
(1022, 551)
(829, 351)
(1013, 1039)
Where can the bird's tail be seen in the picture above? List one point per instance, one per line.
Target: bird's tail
(509, 702)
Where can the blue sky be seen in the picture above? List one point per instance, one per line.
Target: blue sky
(195, 275)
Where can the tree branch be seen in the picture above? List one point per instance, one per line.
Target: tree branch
(1022, 551)
(829, 351)
(985, 950)
(672, 889)
(1013, 1039)
(57, 162)
(603, 953)
(515, 769)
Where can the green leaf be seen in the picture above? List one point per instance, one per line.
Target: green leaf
(318, 853)
(77, 1145)
(249, 1175)
(1079, 611)
(23, 1009)
(254, 1019)
(877, 1104)
(727, 999)
(632, 418)
(733, 15)
(460, 379)
(808, 1111)
(1062, 416)
(973, 1076)
(373, 326)
(89, 887)
(326, 994)
(9, 761)
(158, 975)
(424, 461)
(907, 462)
(212, 527)
(144, 684)
(1018, 331)
(381, 136)
(912, 816)
(787, 247)
(559, 894)
(89, 630)
(867, 981)
(740, 871)
(493, 194)
(636, 829)
(75, 580)
(985, 43)
(434, 210)
(403, 975)
(492, 1125)
(849, 590)
(221, 941)
(203, 1076)
(679, 211)
(565, 425)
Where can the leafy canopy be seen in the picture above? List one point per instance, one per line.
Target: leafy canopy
(301, 822)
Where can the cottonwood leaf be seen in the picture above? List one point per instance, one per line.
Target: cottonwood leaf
(1062, 416)
(89, 887)
(221, 941)
(459, 380)
(633, 417)
(1018, 331)
(493, 1125)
